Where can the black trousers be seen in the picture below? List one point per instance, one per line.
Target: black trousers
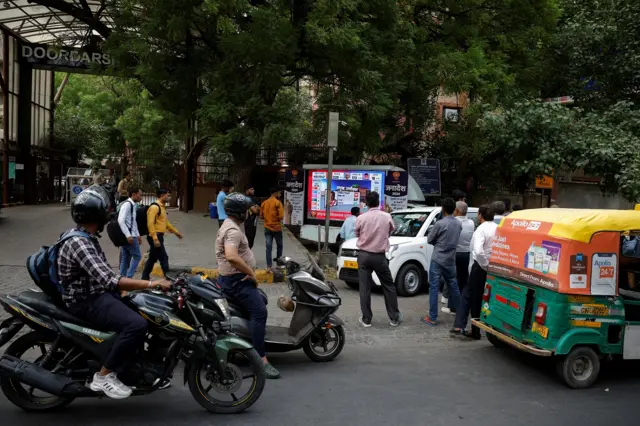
(471, 301)
(462, 274)
(250, 231)
(108, 312)
(378, 263)
(156, 254)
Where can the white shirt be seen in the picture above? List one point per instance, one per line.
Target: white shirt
(127, 219)
(481, 243)
(468, 226)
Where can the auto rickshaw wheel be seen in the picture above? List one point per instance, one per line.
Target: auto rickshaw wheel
(580, 368)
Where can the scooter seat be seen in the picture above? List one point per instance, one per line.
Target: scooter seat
(43, 304)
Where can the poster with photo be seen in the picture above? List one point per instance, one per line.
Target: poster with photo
(294, 197)
(396, 187)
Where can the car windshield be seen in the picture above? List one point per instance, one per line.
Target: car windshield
(408, 224)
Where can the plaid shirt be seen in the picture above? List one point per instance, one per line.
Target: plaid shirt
(83, 270)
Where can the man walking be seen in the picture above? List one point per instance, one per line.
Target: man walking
(130, 253)
(481, 244)
(227, 187)
(251, 223)
(463, 250)
(348, 229)
(444, 236)
(272, 212)
(158, 224)
(373, 229)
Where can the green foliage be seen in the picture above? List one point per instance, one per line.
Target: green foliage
(100, 116)
(538, 138)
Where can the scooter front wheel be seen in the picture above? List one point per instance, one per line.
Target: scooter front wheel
(325, 343)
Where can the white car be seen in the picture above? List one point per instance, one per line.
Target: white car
(409, 254)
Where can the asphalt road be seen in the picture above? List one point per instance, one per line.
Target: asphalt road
(462, 384)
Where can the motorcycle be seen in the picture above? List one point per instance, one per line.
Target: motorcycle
(314, 327)
(189, 323)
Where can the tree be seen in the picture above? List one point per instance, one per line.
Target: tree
(538, 138)
(230, 64)
(100, 116)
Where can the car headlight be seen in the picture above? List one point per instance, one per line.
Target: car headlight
(224, 307)
(392, 251)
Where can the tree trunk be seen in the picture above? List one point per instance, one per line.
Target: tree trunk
(244, 160)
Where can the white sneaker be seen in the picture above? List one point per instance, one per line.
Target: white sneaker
(444, 300)
(364, 324)
(446, 310)
(110, 385)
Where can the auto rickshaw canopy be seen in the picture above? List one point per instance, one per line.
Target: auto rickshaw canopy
(581, 224)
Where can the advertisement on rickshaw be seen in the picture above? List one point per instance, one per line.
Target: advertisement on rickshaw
(527, 251)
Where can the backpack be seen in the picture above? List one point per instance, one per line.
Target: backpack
(141, 218)
(43, 266)
(114, 231)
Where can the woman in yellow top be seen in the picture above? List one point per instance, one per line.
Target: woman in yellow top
(158, 224)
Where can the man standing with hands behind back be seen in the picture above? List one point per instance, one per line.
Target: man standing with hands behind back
(158, 224)
(373, 229)
(251, 222)
(272, 212)
(444, 236)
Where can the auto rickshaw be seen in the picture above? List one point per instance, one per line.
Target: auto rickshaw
(561, 283)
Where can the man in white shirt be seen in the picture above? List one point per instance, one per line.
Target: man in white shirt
(130, 255)
(481, 244)
(463, 252)
(348, 229)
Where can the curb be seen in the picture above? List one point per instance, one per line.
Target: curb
(5, 206)
(263, 276)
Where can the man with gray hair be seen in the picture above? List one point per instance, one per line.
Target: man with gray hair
(498, 208)
(463, 251)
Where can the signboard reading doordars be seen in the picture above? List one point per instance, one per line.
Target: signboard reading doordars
(42, 56)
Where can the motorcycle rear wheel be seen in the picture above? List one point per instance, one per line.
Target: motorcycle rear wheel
(249, 359)
(15, 391)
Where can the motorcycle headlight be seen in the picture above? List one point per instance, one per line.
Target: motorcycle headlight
(224, 307)
(392, 251)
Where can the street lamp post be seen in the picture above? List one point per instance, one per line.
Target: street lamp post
(327, 257)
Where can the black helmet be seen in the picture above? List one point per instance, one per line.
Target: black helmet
(236, 205)
(91, 207)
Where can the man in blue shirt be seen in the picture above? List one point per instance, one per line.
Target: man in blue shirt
(227, 187)
(348, 229)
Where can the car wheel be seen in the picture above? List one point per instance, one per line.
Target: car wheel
(409, 280)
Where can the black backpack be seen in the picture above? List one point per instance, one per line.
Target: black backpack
(141, 218)
(114, 231)
(43, 266)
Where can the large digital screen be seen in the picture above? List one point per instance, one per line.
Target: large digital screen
(348, 189)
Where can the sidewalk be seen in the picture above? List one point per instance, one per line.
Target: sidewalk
(24, 229)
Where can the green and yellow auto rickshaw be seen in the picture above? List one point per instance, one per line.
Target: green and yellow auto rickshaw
(562, 283)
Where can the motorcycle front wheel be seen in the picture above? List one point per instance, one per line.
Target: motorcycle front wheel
(242, 388)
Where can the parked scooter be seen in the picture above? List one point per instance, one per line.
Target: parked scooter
(314, 327)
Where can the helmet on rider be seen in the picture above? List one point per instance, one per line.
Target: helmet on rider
(91, 207)
(236, 205)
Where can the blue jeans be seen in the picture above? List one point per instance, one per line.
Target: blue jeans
(130, 257)
(269, 235)
(449, 273)
(247, 295)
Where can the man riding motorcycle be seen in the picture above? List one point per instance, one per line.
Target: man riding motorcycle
(91, 289)
(236, 276)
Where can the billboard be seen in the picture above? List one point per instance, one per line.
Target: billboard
(426, 173)
(348, 189)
